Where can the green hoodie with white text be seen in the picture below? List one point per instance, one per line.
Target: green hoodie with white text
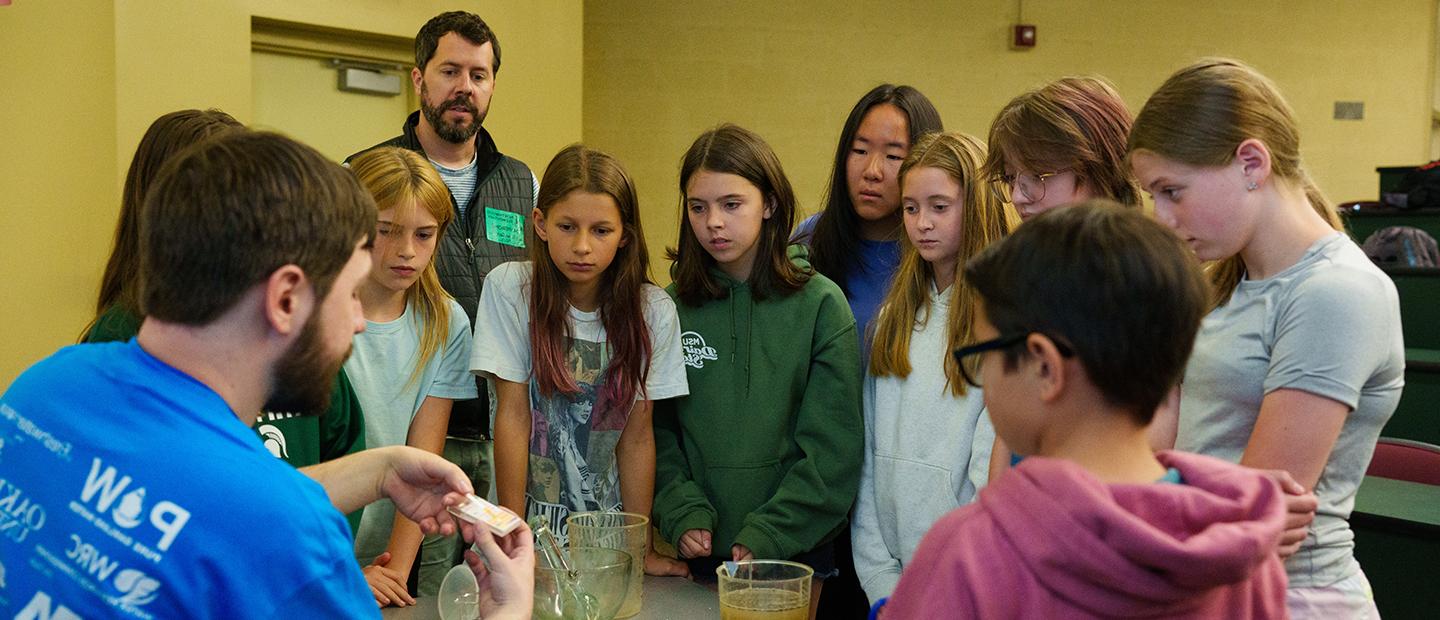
(766, 450)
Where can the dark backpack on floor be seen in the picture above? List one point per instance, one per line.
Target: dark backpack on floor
(1402, 246)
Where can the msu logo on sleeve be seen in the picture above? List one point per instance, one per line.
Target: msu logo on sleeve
(696, 351)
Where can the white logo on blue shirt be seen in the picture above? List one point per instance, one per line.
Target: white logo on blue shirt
(274, 440)
(136, 588)
(57, 447)
(19, 515)
(101, 490)
(696, 351)
(92, 569)
(89, 559)
(39, 609)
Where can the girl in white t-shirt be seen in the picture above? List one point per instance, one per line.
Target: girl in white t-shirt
(1300, 361)
(409, 364)
(927, 439)
(576, 343)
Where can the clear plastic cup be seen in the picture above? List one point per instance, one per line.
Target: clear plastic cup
(593, 589)
(764, 590)
(626, 531)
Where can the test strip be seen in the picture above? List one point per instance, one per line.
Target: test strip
(476, 510)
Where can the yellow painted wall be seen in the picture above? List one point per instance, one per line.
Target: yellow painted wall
(654, 74)
(658, 73)
(83, 79)
(1435, 114)
(297, 95)
(532, 114)
(57, 172)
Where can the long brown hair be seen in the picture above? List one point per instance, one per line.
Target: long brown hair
(835, 240)
(577, 168)
(1075, 123)
(731, 149)
(1200, 116)
(984, 221)
(402, 180)
(167, 136)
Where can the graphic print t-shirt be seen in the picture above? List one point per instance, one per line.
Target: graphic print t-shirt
(572, 441)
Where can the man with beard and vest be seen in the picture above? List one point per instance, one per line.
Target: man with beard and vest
(457, 57)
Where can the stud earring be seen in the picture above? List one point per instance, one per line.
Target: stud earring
(1251, 187)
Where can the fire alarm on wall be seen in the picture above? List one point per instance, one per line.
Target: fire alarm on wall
(1024, 37)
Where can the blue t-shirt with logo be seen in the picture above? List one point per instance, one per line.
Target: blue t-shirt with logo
(128, 489)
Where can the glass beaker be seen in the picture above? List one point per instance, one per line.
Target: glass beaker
(764, 590)
(626, 531)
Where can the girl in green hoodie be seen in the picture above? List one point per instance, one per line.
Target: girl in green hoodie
(762, 459)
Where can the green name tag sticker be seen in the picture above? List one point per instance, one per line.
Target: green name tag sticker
(505, 227)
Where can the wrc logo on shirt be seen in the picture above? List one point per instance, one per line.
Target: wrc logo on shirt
(696, 351)
(134, 587)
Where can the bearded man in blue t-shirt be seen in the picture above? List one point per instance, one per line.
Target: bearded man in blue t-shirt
(133, 485)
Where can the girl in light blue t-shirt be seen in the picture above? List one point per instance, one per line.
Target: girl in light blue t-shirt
(411, 362)
(1300, 361)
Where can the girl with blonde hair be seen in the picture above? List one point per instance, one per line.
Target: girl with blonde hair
(410, 363)
(927, 439)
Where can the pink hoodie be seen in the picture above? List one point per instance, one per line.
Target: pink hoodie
(1048, 540)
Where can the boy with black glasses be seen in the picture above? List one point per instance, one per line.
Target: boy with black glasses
(1093, 522)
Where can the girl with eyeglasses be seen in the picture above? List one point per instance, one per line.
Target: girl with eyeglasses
(1061, 144)
(927, 439)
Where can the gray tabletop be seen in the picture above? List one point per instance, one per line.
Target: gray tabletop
(666, 598)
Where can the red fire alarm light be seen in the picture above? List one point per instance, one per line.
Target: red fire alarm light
(1024, 37)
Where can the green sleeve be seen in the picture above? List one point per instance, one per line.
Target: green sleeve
(342, 430)
(680, 504)
(114, 324)
(817, 491)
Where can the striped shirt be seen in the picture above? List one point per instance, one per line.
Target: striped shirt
(461, 182)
